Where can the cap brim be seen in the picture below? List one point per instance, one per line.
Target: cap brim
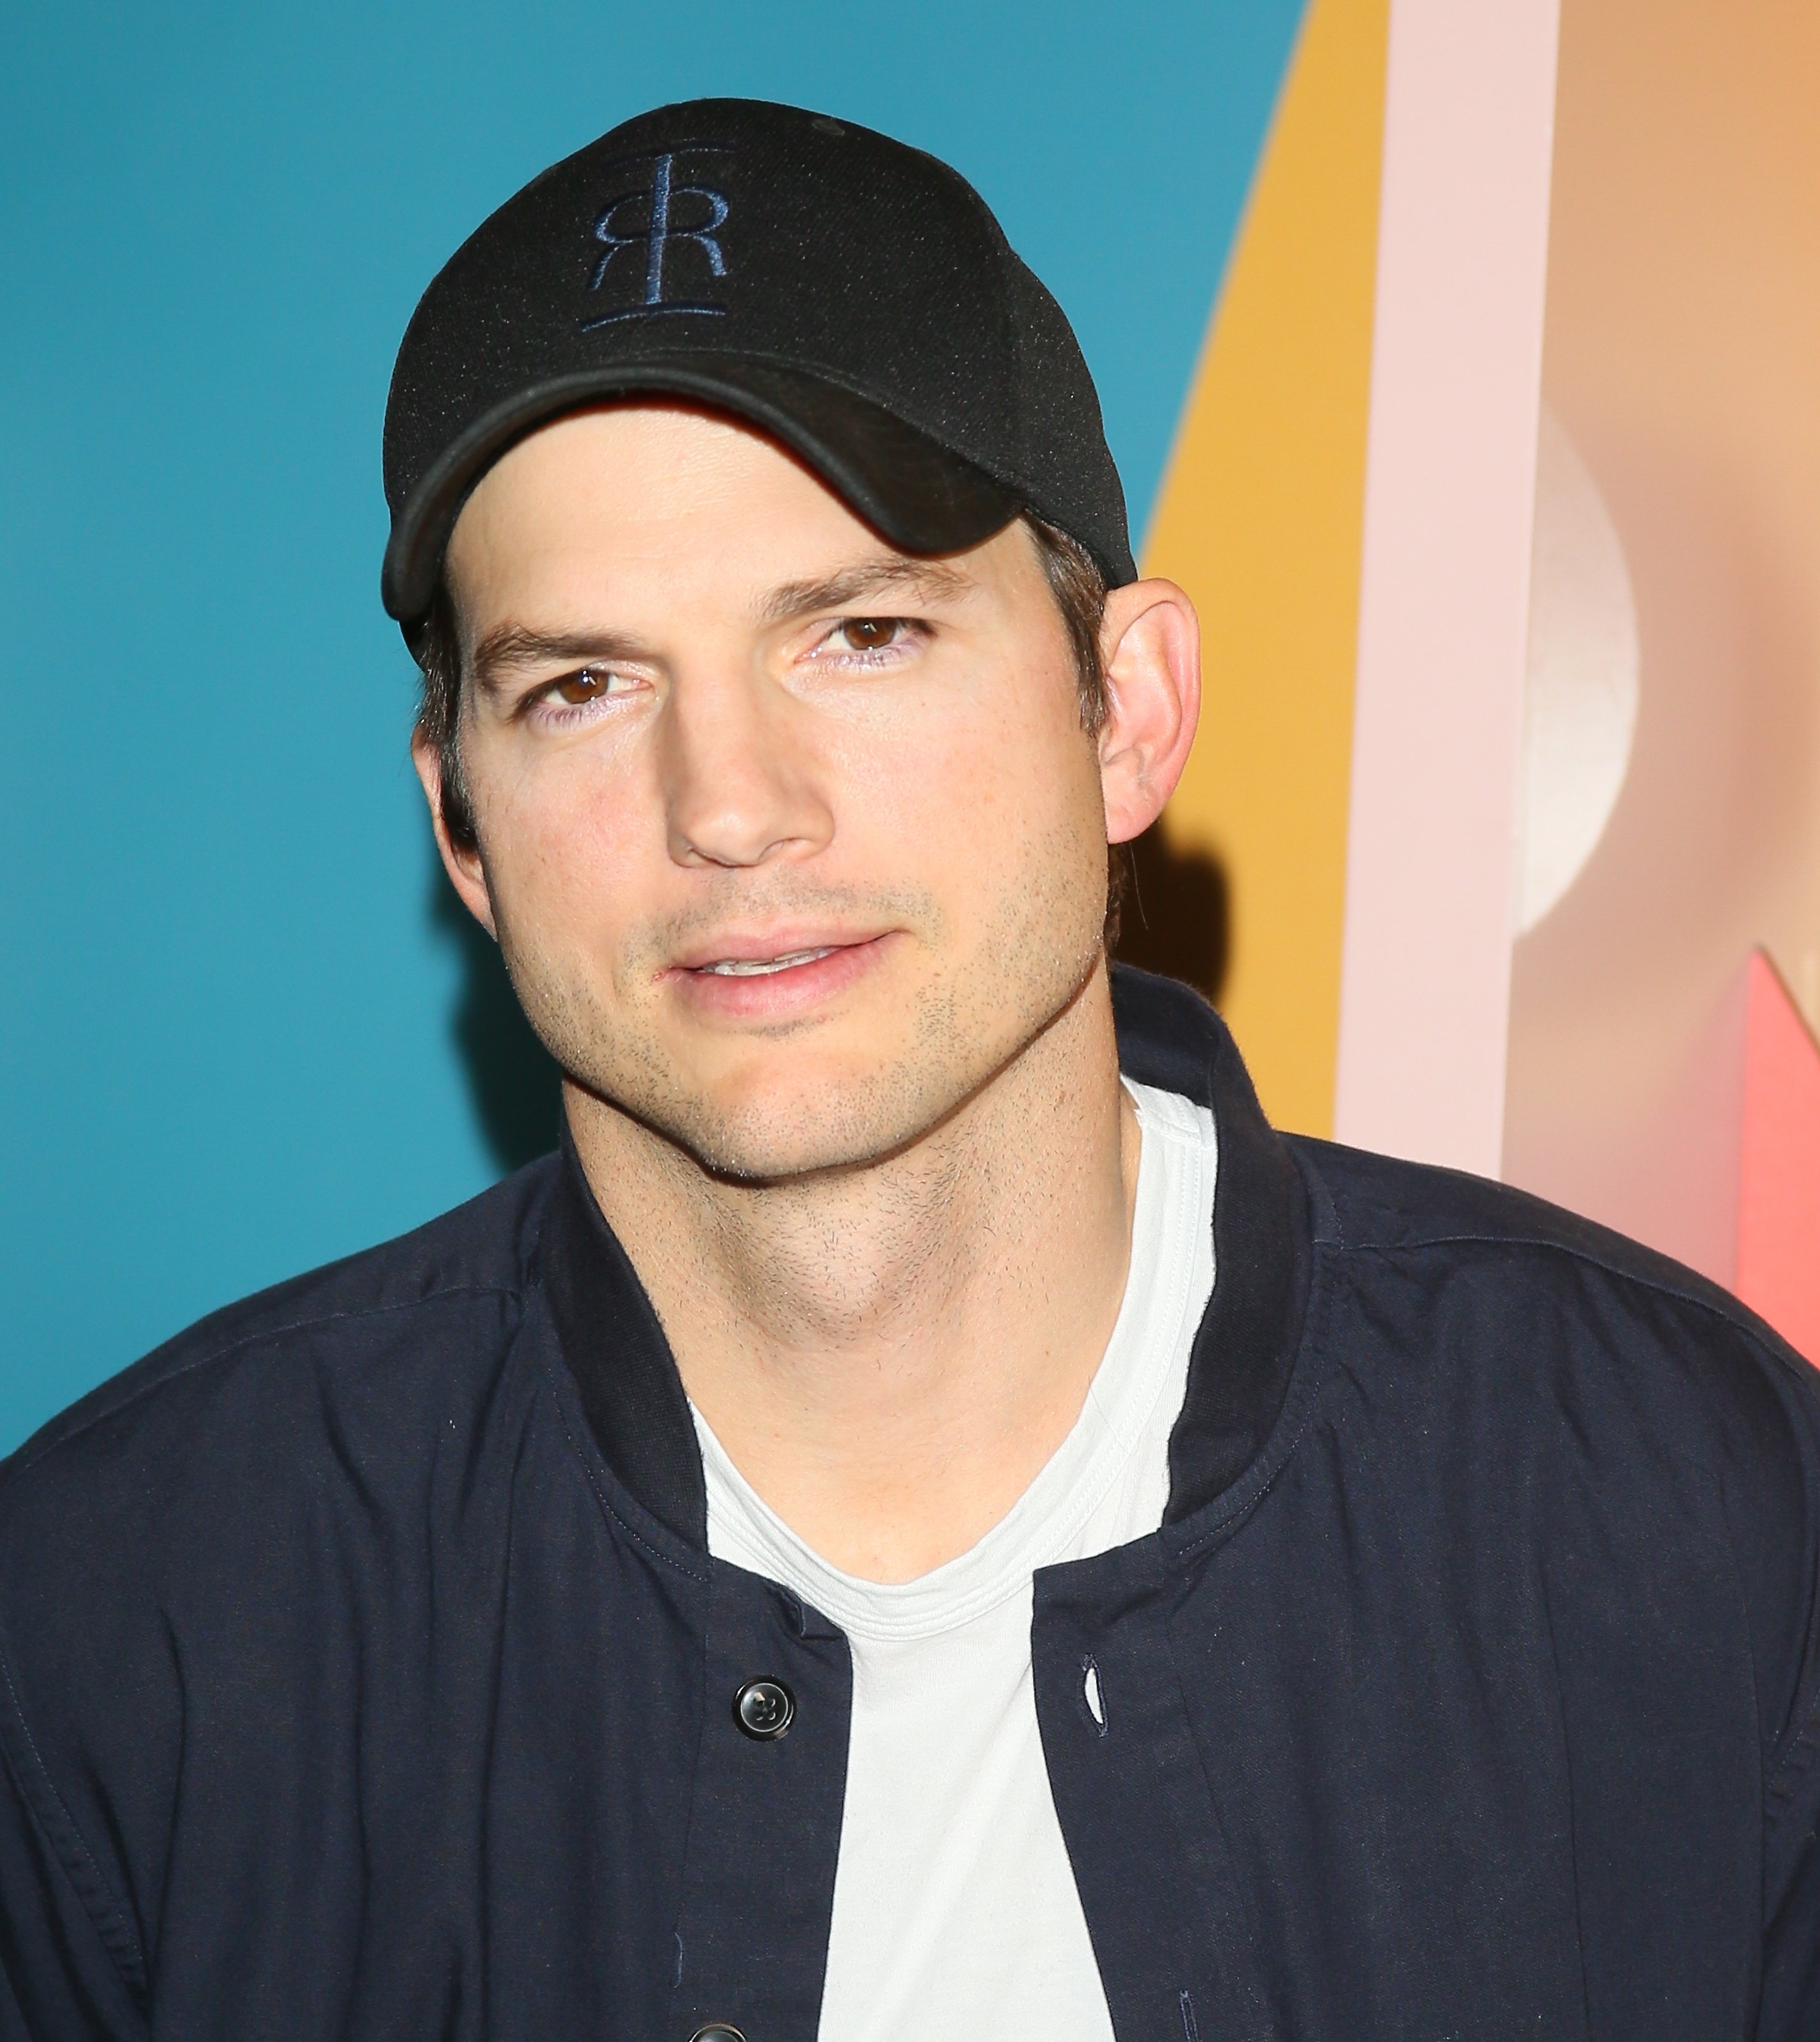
(916, 493)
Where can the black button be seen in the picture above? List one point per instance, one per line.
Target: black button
(763, 1709)
(716, 2030)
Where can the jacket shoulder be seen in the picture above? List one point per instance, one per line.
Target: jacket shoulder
(479, 1249)
(1537, 1282)
(1593, 1345)
(1385, 1206)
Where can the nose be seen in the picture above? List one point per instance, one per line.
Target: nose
(741, 786)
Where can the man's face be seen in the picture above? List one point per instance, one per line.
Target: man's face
(790, 841)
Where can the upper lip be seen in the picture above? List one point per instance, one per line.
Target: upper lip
(761, 946)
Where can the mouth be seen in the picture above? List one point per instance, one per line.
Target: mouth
(775, 977)
(764, 967)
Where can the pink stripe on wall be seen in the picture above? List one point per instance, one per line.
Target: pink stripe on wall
(1778, 1165)
(1449, 499)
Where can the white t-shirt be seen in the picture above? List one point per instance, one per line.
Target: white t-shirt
(955, 1912)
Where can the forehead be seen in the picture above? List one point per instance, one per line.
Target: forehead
(665, 502)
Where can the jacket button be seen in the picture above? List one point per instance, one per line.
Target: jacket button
(716, 2030)
(763, 1709)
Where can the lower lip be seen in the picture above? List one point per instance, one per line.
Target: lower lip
(789, 995)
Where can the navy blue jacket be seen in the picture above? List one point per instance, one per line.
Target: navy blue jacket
(364, 1671)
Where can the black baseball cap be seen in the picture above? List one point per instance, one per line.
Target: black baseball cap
(851, 296)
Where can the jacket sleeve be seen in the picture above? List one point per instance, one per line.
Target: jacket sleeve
(1772, 1500)
(1790, 2007)
(58, 1982)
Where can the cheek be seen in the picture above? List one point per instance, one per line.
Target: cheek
(976, 789)
(563, 838)
(918, 790)
(992, 809)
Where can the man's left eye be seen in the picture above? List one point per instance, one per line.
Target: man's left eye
(868, 634)
(588, 685)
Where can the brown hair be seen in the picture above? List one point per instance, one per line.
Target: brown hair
(1075, 582)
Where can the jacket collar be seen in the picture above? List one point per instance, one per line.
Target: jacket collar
(1239, 1369)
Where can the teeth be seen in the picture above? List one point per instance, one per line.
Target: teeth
(754, 967)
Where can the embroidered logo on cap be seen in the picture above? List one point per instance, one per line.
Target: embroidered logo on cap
(672, 220)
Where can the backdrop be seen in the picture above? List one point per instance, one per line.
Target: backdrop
(240, 1030)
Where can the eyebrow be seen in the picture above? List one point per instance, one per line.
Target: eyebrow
(883, 575)
(511, 647)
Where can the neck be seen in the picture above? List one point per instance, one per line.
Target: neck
(890, 1353)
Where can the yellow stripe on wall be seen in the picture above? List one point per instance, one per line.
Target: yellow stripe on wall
(1260, 518)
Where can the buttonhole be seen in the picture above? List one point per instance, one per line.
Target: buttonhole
(678, 1979)
(1090, 1695)
(1190, 2028)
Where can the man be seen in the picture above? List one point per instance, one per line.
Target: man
(928, 1519)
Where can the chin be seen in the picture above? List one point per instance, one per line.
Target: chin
(810, 1125)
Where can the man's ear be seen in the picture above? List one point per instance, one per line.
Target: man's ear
(1150, 643)
(466, 872)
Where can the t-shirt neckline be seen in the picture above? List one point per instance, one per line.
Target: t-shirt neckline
(1045, 1522)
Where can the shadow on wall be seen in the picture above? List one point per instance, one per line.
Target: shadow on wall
(513, 1079)
(1174, 922)
(1177, 918)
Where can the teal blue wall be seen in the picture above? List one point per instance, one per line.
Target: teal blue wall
(238, 1033)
